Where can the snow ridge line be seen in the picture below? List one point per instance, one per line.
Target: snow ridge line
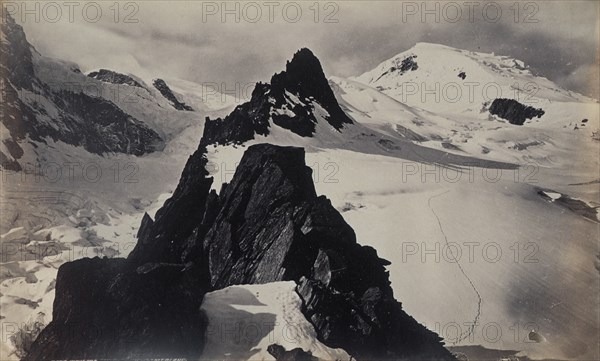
(471, 329)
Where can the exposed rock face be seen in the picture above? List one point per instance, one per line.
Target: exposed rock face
(105, 308)
(16, 54)
(183, 217)
(295, 100)
(402, 66)
(513, 111)
(267, 225)
(113, 77)
(262, 212)
(371, 325)
(17, 66)
(408, 64)
(243, 123)
(296, 354)
(31, 109)
(74, 287)
(166, 92)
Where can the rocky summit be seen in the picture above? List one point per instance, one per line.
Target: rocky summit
(164, 89)
(267, 225)
(297, 99)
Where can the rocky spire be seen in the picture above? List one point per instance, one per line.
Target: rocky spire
(289, 101)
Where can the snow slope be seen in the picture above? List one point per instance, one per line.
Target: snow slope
(244, 320)
(435, 84)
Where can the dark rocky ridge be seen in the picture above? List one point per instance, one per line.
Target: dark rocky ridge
(94, 123)
(166, 92)
(113, 77)
(298, 90)
(513, 111)
(267, 225)
(16, 63)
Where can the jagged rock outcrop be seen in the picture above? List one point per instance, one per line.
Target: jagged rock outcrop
(296, 354)
(32, 110)
(113, 77)
(184, 215)
(166, 92)
(402, 66)
(371, 325)
(295, 100)
(106, 308)
(267, 225)
(145, 227)
(513, 111)
(243, 123)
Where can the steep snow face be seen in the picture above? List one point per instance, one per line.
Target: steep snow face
(244, 320)
(444, 79)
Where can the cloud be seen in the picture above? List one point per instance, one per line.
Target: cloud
(185, 39)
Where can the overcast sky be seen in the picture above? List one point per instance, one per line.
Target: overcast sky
(190, 40)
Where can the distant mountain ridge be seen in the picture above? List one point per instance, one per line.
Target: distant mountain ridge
(35, 111)
(47, 101)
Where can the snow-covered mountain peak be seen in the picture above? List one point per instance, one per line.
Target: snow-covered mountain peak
(440, 78)
(432, 57)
